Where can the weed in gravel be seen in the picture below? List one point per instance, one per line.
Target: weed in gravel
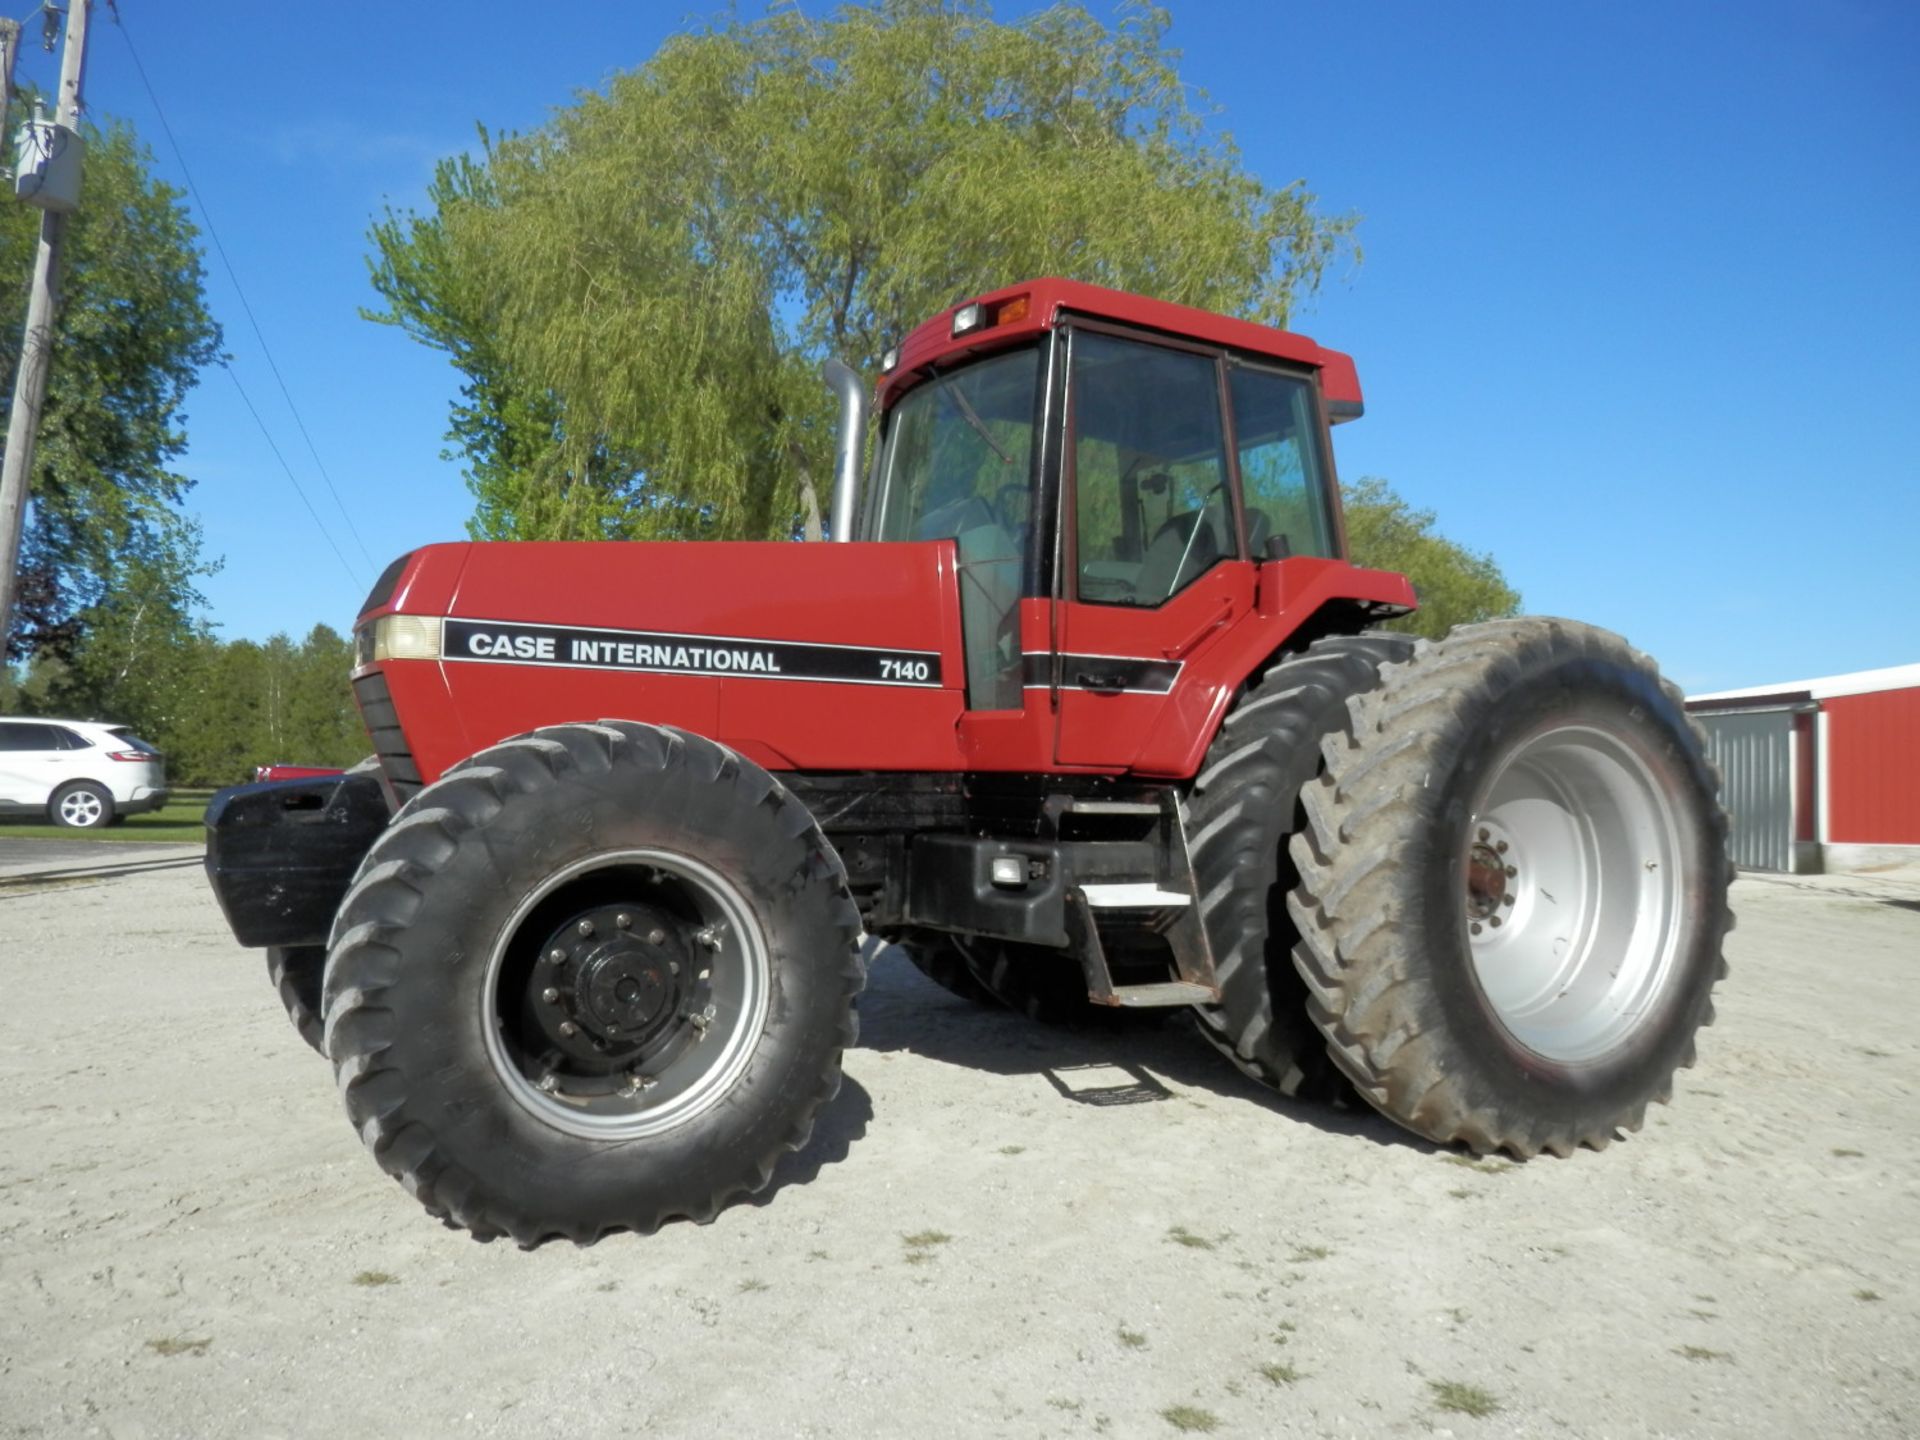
(607, 1287)
(1485, 1164)
(179, 1345)
(1275, 1373)
(373, 1278)
(1132, 1339)
(1873, 1054)
(1700, 1352)
(1704, 1314)
(1867, 1295)
(922, 1243)
(1843, 1153)
(1283, 1332)
(1013, 1149)
(753, 1285)
(818, 1255)
(1462, 1398)
(1060, 1402)
(1190, 1418)
(1180, 1235)
(1303, 1254)
(1461, 1194)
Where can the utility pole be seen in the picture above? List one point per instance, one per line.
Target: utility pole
(36, 347)
(9, 51)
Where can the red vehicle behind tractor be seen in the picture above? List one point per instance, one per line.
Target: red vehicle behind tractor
(1084, 706)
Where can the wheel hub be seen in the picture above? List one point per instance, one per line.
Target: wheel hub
(616, 982)
(625, 988)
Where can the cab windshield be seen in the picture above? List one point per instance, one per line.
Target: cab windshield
(957, 464)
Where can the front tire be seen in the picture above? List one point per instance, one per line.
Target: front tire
(81, 805)
(594, 979)
(296, 972)
(1513, 889)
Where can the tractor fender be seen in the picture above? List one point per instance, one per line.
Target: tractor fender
(1298, 600)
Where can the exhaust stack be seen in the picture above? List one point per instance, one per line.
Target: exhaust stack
(846, 455)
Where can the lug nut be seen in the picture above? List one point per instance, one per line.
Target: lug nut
(550, 995)
(656, 935)
(625, 922)
(1512, 871)
(548, 1083)
(709, 936)
(673, 967)
(1506, 899)
(1501, 847)
(555, 957)
(584, 928)
(1486, 834)
(1475, 927)
(1494, 922)
(569, 1029)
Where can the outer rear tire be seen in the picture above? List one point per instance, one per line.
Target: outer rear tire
(1240, 814)
(440, 1012)
(1513, 889)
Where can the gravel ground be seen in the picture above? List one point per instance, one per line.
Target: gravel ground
(998, 1230)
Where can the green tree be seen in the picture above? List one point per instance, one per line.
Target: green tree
(1457, 586)
(131, 334)
(638, 294)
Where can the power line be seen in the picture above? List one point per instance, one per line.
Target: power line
(266, 435)
(220, 249)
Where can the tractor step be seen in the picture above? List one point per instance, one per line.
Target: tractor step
(1166, 993)
(1132, 895)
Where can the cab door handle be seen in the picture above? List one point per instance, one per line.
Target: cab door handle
(1101, 683)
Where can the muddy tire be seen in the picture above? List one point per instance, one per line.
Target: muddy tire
(940, 958)
(1513, 889)
(1243, 810)
(593, 979)
(296, 972)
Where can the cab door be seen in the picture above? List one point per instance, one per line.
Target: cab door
(1153, 558)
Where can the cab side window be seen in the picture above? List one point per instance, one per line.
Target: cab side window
(1277, 430)
(1154, 508)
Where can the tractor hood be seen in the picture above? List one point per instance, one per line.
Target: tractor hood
(797, 655)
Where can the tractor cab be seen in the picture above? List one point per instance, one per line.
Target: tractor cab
(1112, 472)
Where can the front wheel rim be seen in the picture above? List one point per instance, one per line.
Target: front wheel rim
(1572, 893)
(81, 809)
(664, 1012)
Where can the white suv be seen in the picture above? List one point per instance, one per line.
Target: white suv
(77, 773)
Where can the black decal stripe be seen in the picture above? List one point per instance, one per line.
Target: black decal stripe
(506, 642)
(1108, 674)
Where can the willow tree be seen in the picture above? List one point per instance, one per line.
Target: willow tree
(638, 294)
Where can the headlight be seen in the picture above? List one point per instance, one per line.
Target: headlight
(398, 637)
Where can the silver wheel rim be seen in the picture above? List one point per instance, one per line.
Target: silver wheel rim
(82, 808)
(1573, 893)
(712, 1060)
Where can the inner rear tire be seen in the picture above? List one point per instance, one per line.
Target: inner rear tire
(594, 979)
(1513, 889)
(1240, 815)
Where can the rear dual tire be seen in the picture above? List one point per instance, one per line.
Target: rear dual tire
(1512, 891)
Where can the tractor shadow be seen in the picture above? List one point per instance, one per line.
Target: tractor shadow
(1128, 1064)
(839, 1126)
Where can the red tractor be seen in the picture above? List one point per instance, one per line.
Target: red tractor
(1094, 717)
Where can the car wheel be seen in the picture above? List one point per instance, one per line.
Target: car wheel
(82, 805)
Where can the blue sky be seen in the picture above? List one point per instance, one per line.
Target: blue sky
(1638, 309)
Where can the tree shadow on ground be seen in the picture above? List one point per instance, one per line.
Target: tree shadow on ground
(1128, 1064)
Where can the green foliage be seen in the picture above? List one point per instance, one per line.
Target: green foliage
(639, 293)
(131, 333)
(1457, 586)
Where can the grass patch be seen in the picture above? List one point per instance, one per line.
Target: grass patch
(372, 1278)
(1275, 1372)
(922, 1244)
(753, 1285)
(1180, 1235)
(1867, 1295)
(1013, 1149)
(1700, 1352)
(1463, 1399)
(818, 1255)
(1485, 1164)
(179, 1345)
(178, 821)
(1845, 1154)
(1132, 1339)
(1303, 1254)
(1190, 1418)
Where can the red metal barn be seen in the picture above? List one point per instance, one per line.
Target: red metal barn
(1820, 774)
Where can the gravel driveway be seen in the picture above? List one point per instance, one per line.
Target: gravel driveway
(999, 1230)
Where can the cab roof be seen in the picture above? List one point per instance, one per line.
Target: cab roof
(1051, 299)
